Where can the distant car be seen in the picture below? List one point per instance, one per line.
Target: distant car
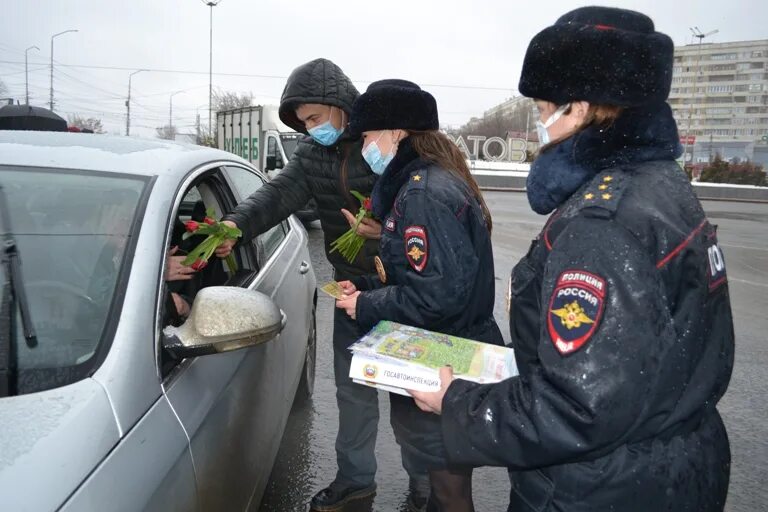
(107, 409)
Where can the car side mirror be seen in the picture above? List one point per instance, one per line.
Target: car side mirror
(223, 319)
(271, 163)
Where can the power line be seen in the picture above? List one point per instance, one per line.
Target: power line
(21, 72)
(103, 107)
(247, 75)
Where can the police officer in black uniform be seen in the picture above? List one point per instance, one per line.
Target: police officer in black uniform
(620, 312)
(436, 266)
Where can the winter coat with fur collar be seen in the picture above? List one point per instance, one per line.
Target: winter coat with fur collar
(621, 322)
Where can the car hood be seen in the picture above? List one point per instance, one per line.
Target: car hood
(50, 442)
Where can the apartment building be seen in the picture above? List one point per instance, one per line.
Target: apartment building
(720, 94)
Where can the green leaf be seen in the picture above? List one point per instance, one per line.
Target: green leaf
(231, 263)
(360, 197)
(204, 229)
(231, 232)
(190, 259)
(203, 250)
(209, 212)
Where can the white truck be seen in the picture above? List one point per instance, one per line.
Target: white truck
(257, 134)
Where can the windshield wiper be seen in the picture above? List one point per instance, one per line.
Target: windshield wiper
(14, 297)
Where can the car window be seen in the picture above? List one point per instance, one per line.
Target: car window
(246, 183)
(72, 231)
(290, 143)
(180, 293)
(272, 150)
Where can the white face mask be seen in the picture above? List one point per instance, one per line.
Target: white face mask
(541, 128)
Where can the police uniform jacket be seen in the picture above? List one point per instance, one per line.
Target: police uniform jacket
(436, 252)
(621, 323)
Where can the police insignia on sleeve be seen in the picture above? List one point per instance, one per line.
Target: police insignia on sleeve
(575, 309)
(416, 247)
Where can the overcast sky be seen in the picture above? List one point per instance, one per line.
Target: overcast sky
(468, 54)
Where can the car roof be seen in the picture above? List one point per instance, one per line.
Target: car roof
(110, 153)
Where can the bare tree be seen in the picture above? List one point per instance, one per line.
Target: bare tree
(229, 100)
(166, 132)
(90, 123)
(3, 88)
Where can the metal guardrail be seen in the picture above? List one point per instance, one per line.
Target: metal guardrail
(514, 181)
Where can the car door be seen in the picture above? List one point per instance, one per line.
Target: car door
(232, 405)
(287, 274)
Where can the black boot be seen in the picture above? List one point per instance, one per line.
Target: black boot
(336, 496)
(418, 493)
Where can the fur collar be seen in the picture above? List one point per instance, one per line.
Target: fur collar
(639, 135)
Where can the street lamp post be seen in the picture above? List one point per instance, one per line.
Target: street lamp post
(211, 4)
(696, 33)
(26, 69)
(170, 115)
(128, 104)
(52, 37)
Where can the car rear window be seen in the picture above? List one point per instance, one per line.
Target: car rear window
(73, 233)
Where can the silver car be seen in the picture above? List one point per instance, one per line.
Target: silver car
(103, 406)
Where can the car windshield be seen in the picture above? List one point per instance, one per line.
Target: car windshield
(72, 230)
(290, 141)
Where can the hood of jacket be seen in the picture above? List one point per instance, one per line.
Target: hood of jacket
(318, 81)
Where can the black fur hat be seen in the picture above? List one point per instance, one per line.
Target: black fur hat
(393, 104)
(602, 55)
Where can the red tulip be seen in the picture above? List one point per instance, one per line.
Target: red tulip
(191, 226)
(209, 221)
(199, 264)
(367, 204)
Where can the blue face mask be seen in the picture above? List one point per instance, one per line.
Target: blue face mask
(326, 134)
(378, 162)
(542, 128)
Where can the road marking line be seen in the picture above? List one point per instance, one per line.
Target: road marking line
(748, 282)
(744, 247)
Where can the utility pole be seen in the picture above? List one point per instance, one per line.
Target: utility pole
(211, 4)
(696, 33)
(170, 115)
(128, 104)
(26, 69)
(52, 38)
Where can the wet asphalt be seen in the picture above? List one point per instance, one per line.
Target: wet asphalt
(307, 461)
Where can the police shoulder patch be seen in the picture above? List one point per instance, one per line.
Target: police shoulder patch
(416, 247)
(575, 309)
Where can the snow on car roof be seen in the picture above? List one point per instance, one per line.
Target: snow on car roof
(103, 152)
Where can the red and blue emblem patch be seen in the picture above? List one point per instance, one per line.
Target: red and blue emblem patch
(416, 247)
(575, 309)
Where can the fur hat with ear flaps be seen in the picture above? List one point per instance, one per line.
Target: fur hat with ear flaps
(394, 104)
(602, 55)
